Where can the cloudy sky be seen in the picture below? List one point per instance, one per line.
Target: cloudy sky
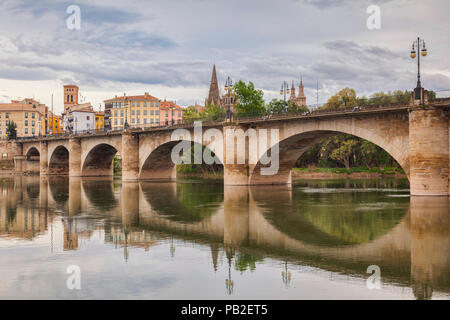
(168, 47)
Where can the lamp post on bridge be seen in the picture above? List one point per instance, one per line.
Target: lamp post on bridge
(418, 94)
(284, 89)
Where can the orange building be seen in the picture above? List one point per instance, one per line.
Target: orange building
(170, 113)
(99, 121)
(54, 123)
(70, 96)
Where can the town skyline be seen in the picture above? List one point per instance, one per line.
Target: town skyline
(136, 49)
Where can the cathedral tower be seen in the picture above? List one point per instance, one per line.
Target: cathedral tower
(213, 96)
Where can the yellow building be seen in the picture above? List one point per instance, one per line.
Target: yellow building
(99, 121)
(54, 124)
(137, 111)
(27, 117)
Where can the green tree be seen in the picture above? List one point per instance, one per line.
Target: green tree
(213, 112)
(276, 106)
(190, 112)
(344, 152)
(250, 100)
(12, 130)
(293, 108)
(343, 99)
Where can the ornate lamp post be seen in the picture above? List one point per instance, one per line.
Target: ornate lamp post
(416, 44)
(229, 89)
(125, 107)
(284, 89)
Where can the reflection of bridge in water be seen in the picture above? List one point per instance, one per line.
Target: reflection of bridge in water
(414, 251)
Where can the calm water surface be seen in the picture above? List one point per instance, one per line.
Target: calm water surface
(200, 240)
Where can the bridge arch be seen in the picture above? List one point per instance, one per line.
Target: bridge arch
(59, 161)
(296, 138)
(99, 161)
(158, 164)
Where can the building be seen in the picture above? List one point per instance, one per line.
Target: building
(70, 96)
(100, 121)
(299, 100)
(136, 111)
(170, 113)
(213, 94)
(80, 120)
(28, 115)
(228, 99)
(54, 123)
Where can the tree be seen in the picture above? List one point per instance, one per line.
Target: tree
(293, 108)
(343, 99)
(277, 106)
(344, 151)
(250, 100)
(190, 112)
(214, 112)
(12, 130)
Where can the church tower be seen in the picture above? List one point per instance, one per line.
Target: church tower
(70, 96)
(213, 96)
(301, 98)
(292, 98)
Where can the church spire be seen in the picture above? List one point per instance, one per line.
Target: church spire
(301, 93)
(213, 96)
(292, 91)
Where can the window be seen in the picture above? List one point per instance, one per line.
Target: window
(132, 112)
(157, 112)
(7, 122)
(145, 104)
(145, 121)
(7, 115)
(121, 121)
(115, 121)
(33, 115)
(151, 112)
(26, 122)
(32, 130)
(151, 120)
(167, 113)
(138, 120)
(121, 113)
(145, 112)
(138, 112)
(26, 114)
(87, 118)
(132, 120)
(26, 130)
(33, 123)
(115, 113)
(179, 113)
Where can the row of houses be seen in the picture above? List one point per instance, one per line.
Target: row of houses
(32, 118)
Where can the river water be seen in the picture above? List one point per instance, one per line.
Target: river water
(316, 239)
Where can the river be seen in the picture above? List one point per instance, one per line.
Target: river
(316, 239)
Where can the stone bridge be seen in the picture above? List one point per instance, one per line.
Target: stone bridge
(416, 137)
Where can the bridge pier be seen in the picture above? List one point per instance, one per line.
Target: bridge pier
(130, 156)
(43, 158)
(429, 152)
(74, 157)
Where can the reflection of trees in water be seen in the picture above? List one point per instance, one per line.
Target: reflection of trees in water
(100, 193)
(59, 188)
(33, 190)
(335, 218)
(185, 202)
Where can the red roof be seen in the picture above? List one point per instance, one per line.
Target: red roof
(169, 104)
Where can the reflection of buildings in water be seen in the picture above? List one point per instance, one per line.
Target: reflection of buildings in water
(235, 223)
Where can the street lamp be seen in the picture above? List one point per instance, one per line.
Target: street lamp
(125, 108)
(416, 44)
(229, 89)
(284, 89)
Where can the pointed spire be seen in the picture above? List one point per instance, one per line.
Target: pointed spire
(213, 96)
(292, 91)
(301, 93)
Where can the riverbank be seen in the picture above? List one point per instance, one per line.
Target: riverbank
(342, 173)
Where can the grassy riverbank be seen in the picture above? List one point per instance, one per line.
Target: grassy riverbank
(356, 172)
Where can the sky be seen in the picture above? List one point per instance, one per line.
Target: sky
(167, 48)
